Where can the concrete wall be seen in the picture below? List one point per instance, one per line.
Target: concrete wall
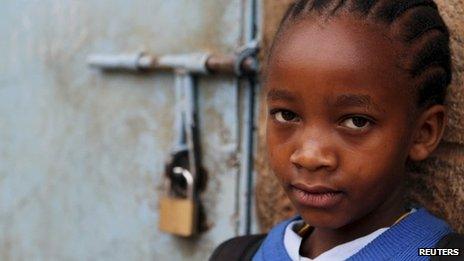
(437, 183)
(82, 152)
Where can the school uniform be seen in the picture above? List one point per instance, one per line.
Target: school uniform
(401, 241)
(419, 229)
(292, 243)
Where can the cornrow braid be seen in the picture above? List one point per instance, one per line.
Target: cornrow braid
(417, 24)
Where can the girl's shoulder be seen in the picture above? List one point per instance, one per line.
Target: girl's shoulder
(238, 248)
(245, 247)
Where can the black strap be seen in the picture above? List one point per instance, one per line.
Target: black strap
(238, 248)
(450, 241)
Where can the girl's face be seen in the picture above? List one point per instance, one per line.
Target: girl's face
(339, 125)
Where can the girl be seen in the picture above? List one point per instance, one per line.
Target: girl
(355, 91)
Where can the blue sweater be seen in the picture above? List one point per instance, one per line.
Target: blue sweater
(399, 242)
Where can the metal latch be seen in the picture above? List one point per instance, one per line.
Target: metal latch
(243, 63)
(181, 208)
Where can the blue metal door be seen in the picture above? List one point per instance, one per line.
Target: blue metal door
(83, 151)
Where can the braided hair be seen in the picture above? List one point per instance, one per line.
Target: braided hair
(416, 24)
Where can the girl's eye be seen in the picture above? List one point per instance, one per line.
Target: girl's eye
(356, 123)
(284, 116)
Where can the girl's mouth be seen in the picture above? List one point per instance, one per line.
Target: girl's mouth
(317, 196)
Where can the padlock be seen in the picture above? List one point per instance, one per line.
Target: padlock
(178, 215)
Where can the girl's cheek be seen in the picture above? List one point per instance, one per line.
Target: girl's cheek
(280, 133)
(279, 141)
(276, 157)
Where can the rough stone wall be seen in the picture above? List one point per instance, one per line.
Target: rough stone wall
(437, 183)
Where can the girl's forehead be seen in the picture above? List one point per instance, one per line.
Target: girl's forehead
(341, 62)
(342, 52)
(343, 41)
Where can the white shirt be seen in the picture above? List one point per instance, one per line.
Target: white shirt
(292, 242)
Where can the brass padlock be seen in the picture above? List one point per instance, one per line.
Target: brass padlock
(178, 215)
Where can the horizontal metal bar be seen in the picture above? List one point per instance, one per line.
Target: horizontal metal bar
(194, 63)
(119, 62)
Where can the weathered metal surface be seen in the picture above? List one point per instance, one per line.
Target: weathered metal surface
(82, 152)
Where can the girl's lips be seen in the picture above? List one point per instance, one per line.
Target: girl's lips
(316, 196)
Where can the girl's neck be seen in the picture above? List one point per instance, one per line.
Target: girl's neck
(323, 239)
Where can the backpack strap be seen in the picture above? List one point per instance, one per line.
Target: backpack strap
(238, 248)
(451, 240)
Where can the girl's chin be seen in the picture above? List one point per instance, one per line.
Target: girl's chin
(323, 220)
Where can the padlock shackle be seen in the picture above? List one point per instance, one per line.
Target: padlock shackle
(188, 178)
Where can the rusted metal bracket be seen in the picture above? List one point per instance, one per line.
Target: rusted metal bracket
(247, 52)
(242, 64)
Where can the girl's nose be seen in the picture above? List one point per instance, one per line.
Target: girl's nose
(313, 156)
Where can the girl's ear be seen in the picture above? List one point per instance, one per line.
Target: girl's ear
(429, 131)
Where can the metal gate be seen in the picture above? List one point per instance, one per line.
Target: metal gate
(83, 151)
